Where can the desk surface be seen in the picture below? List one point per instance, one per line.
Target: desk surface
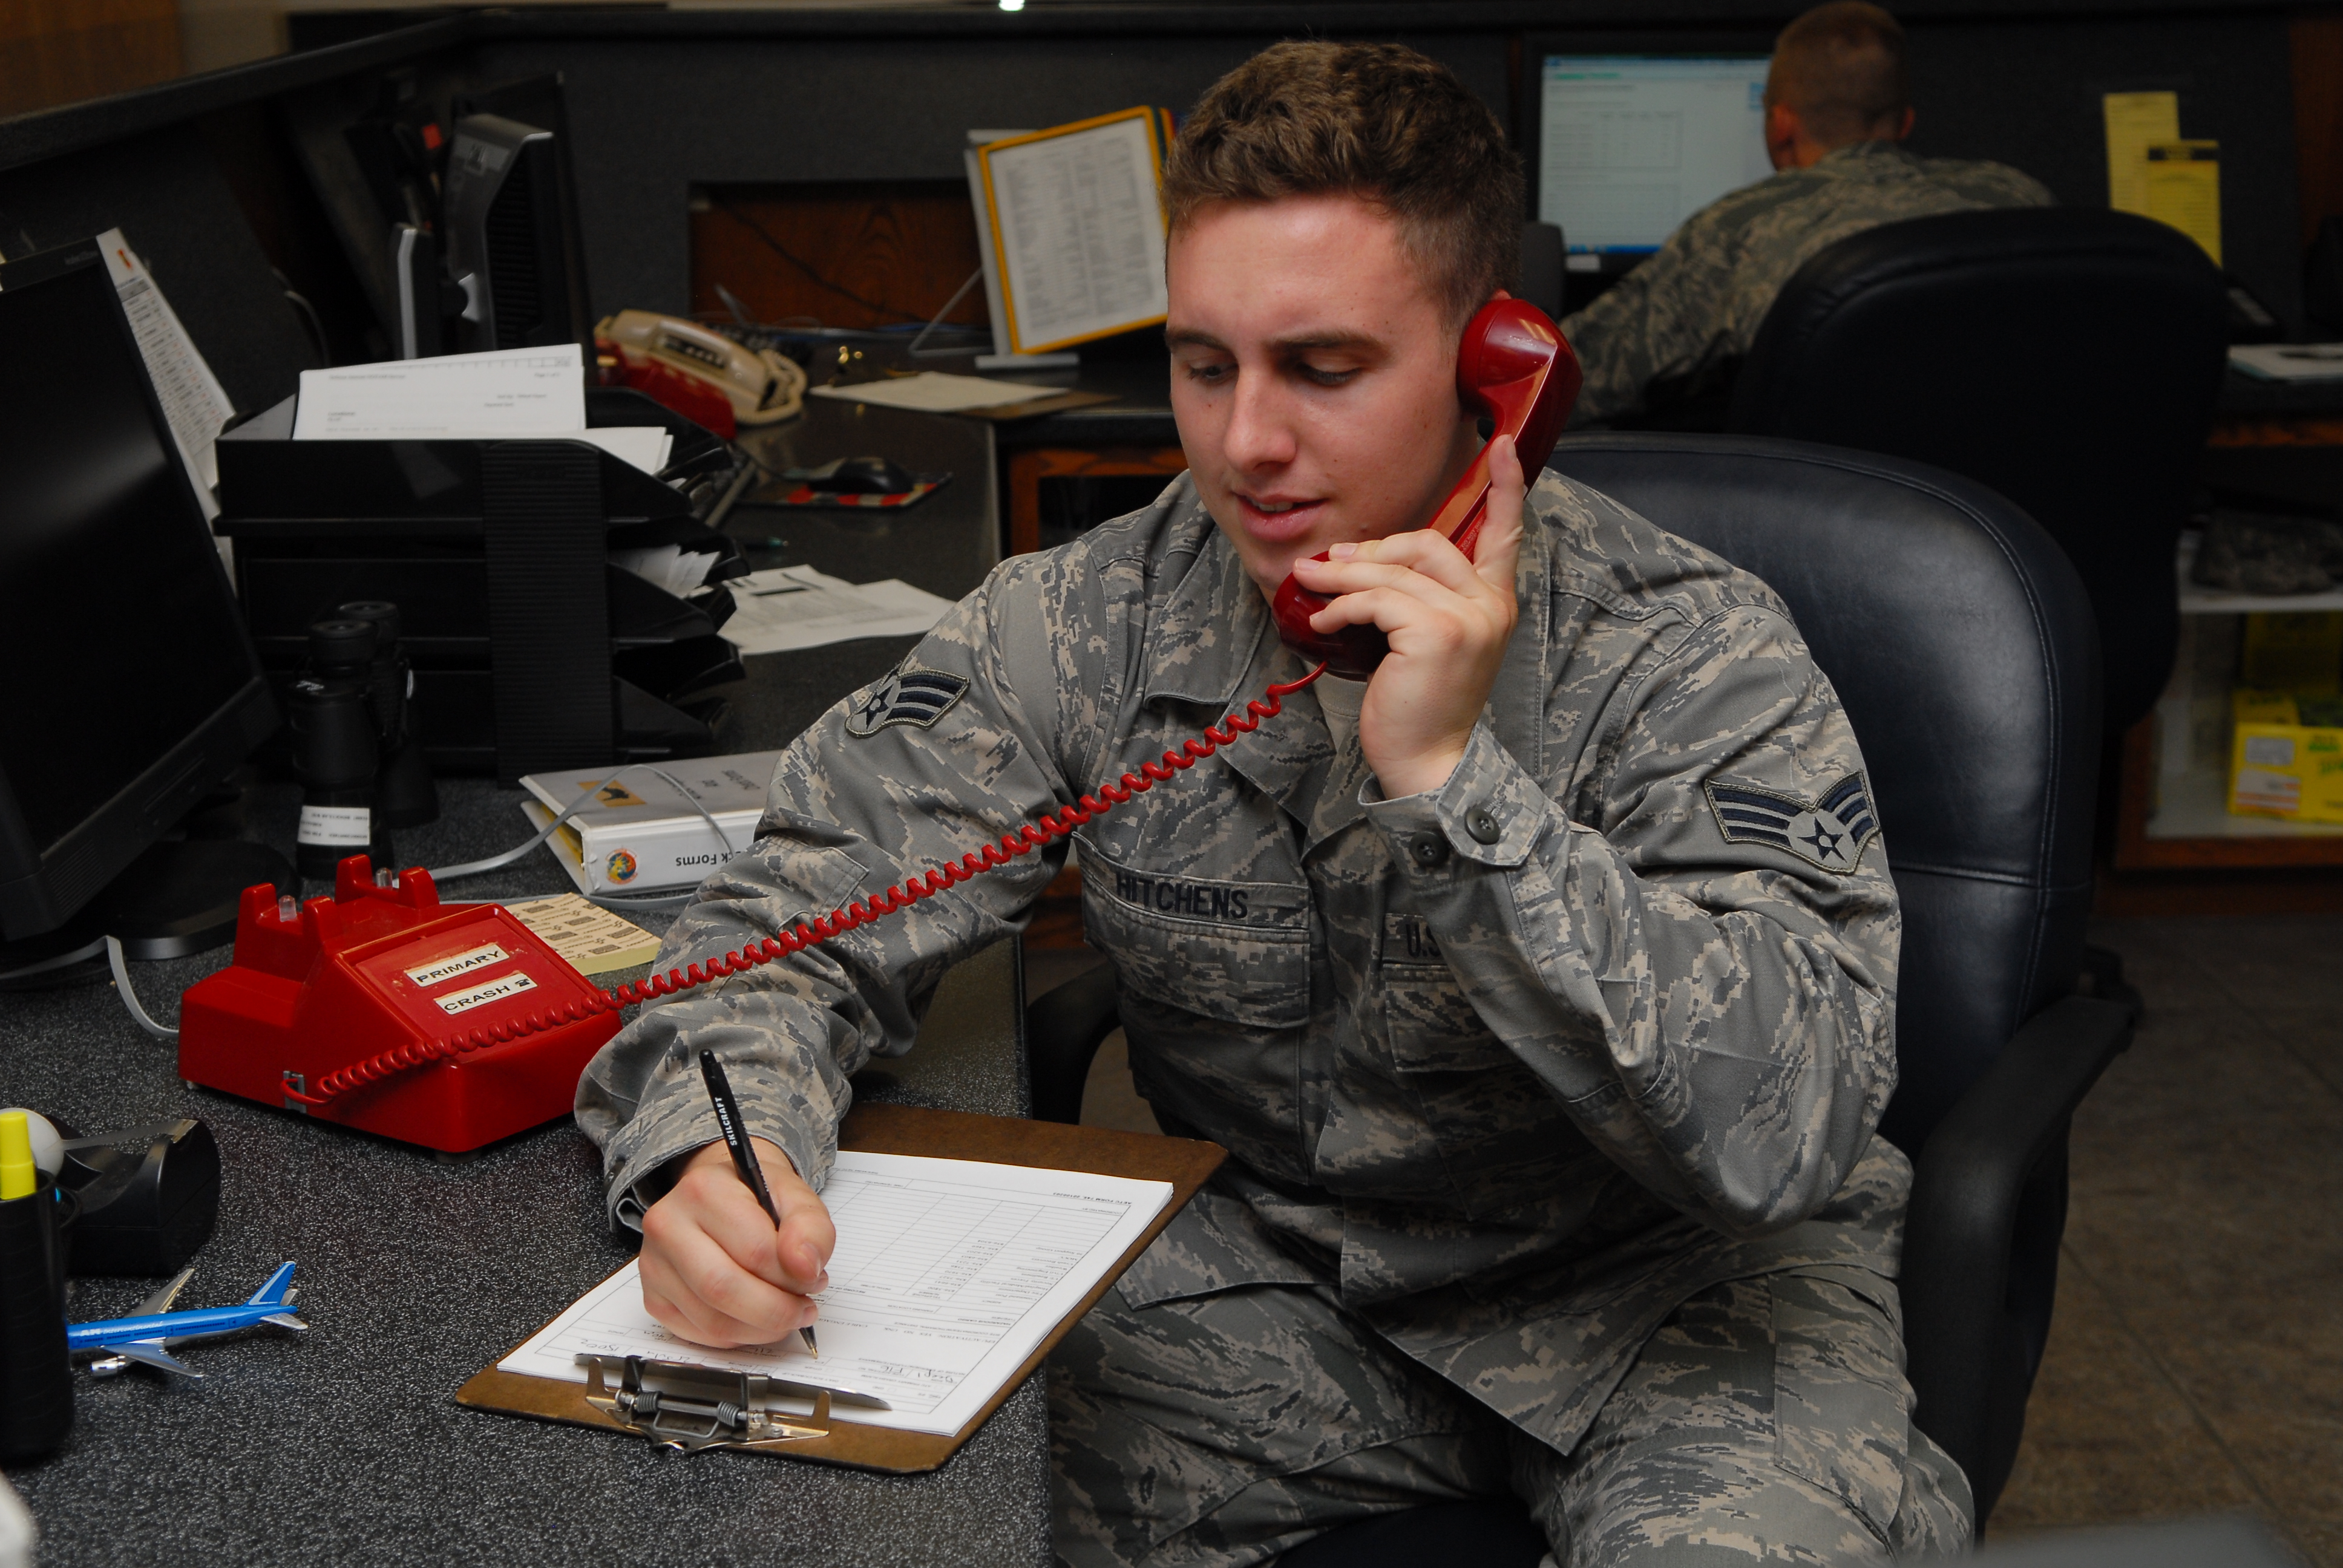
(345, 1445)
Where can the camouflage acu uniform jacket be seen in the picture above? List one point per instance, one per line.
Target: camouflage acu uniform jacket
(1516, 1067)
(1680, 323)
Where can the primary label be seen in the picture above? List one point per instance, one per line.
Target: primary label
(502, 986)
(448, 969)
(351, 826)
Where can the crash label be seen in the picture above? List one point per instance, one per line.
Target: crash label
(496, 990)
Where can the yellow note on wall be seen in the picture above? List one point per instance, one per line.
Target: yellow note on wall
(2136, 122)
(2184, 189)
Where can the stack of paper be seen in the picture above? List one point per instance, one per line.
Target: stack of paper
(496, 395)
(937, 392)
(786, 607)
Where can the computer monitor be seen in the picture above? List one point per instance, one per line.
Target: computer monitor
(509, 225)
(1627, 147)
(132, 687)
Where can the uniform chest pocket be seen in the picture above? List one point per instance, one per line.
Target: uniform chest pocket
(1232, 950)
(1500, 1133)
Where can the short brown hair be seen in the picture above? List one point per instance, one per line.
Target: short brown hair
(1377, 121)
(1841, 67)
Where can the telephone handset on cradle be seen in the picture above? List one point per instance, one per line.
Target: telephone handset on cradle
(1515, 368)
(452, 1025)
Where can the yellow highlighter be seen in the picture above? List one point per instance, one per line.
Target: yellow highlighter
(18, 1178)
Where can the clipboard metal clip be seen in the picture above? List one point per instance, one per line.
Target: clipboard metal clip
(685, 1407)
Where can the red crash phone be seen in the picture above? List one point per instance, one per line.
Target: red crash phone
(1513, 366)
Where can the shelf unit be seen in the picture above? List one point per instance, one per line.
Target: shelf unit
(2181, 821)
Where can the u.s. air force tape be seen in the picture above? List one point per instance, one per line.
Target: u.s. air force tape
(1830, 831)
(914, 697)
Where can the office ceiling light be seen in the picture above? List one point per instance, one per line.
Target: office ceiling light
(1012, 5)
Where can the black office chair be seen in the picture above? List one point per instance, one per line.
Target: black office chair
(1960, 640)
(2067, 359)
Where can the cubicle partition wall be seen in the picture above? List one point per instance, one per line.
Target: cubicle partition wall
(660, 103)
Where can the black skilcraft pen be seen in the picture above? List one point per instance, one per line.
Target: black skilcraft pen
(744, 1159)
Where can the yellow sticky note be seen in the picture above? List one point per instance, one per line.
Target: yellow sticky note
(2184, 189)
(2136, 122)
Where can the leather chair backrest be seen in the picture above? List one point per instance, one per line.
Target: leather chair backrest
(2067, 359)
(1960, 640)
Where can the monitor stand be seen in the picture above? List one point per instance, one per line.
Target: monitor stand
(178, 896)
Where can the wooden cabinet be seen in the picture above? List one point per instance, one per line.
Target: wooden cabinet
(1030, 469)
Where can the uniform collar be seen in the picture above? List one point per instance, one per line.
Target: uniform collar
(1861, 160)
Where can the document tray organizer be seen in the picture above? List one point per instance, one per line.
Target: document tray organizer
(531, 652)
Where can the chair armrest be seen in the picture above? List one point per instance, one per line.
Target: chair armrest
(1063, 1029)
(1965, 1210)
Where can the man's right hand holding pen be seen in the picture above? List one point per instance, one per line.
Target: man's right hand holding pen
(714, 1268)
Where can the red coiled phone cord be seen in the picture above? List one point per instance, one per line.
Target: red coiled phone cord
(1026, 839)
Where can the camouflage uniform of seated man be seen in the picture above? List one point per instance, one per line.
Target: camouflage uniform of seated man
(1541, 987)
(1836, 112)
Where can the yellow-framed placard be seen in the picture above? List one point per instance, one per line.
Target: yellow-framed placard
(1123, 146)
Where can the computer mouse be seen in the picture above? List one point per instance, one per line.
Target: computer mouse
(862, 477)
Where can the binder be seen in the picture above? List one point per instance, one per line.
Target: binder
(942, 1134)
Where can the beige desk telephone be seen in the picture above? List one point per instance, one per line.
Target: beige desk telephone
(700, 373)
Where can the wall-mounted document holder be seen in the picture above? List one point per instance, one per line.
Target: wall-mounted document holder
(761, 1419)
(531, 652)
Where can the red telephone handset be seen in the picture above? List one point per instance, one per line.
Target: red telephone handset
(1513, 366)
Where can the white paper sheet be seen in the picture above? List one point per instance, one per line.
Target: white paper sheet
(647, 446)
(937, 392)
(2289, 361)
(948, 1272)
(669, 566)
(503, 392)
(193, 401)
(785, 608)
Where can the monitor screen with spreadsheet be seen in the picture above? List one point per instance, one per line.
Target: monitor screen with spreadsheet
(1631, 145)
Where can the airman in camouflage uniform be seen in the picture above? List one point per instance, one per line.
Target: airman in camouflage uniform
(1680, 323)
(1541, 992)
(1585, 1049)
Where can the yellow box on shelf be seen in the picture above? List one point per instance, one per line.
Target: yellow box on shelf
(2286, 759)
(2298, 652)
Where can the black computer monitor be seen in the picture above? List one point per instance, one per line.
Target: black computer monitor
(509, 224)
(133, 688)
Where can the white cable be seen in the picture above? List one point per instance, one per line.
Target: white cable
(129, 997)
(61, 962)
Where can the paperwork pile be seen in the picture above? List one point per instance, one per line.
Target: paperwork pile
(786, 607)
(503, 394)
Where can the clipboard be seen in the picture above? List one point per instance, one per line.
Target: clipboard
(1185, 1162)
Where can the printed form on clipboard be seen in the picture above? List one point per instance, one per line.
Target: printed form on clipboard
(948, 1274)
(1074, 219)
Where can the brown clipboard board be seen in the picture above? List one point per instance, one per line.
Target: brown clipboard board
(944, 1135)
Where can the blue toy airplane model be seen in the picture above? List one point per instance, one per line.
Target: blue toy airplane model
(147, 1334)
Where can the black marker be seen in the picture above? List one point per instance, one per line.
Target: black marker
(744, 1159)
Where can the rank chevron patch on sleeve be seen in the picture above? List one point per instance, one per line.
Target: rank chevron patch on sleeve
(1831, 831)
(913, 697)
